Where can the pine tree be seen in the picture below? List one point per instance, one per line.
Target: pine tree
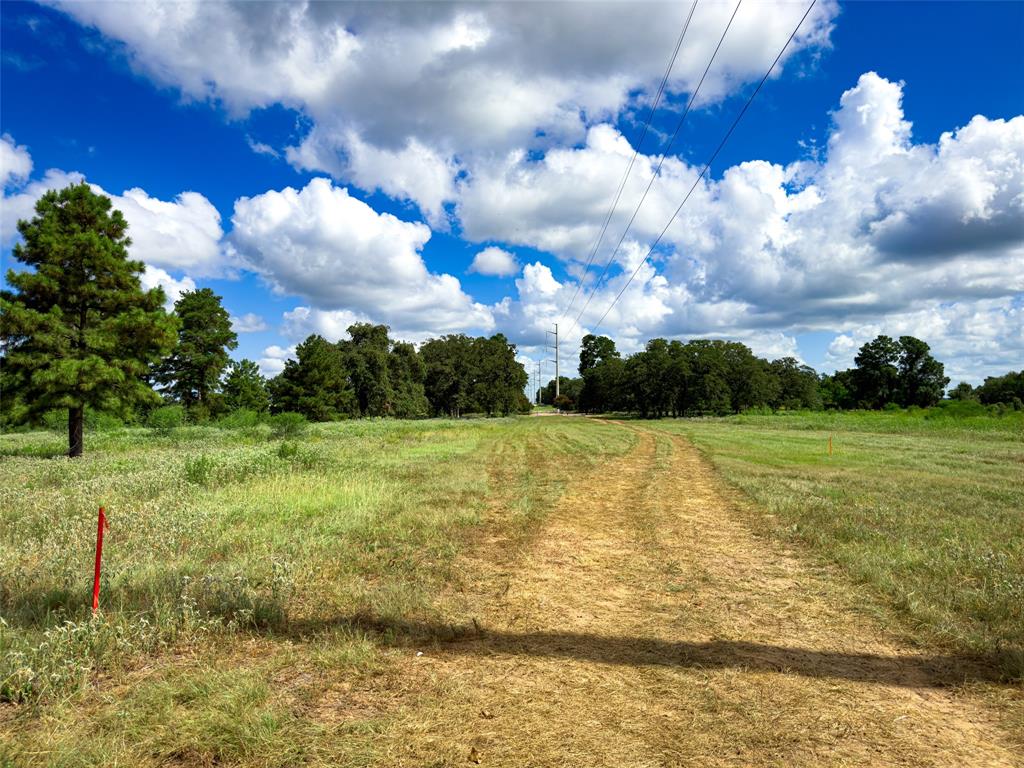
(315, 384)
(76, 327)
(245, 387)
(192, 372)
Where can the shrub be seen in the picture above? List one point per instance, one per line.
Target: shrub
(243, 418)
(166, 418)
(286, 425)
(102, 422)
(199, 469)
(57, 420)
(199, 413)
(958, 409)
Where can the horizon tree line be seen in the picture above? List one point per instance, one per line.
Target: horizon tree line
(714, 377)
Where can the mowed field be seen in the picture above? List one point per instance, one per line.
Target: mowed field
(545, 591)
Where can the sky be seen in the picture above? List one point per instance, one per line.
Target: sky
(447, 168)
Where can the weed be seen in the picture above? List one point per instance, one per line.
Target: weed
(166, 419)
(199, 469)
(287, 425)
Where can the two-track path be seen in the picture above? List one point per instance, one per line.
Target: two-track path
(646, 625)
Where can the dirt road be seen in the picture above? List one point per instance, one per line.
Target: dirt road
(646, 625)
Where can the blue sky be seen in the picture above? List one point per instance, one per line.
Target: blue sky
(493, 127)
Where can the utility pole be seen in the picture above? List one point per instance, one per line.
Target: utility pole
(536, 391)
(555, 361)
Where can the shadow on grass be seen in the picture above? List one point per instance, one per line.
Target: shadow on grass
(915, 671)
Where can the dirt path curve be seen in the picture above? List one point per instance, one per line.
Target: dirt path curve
(647, 626)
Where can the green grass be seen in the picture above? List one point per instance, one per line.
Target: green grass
(234, 561)
(927, 512)
(244, 575)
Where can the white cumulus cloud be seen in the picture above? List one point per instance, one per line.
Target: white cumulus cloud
(15, 161)
(250, 322)
(181, 235)
(879, 226)
(494, 261)
(322, 244)
(273, 360)
(403, 97)
(152, 277)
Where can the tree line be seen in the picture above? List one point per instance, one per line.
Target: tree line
(79, 334)
(371, 375)
(714, 377)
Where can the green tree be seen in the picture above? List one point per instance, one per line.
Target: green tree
(245, 387)
(901, 372)
(751, 382)
(1008, 389)
(448, 374)
(407, 372)
(77, 329)
(498, 377)
(837, 391)
(922, 378)
(963, 391)
(601, 369)
(708, 391)
(876, 378)
(595, 350)
(798, 385)
(648, 379)
(315, 384)
(570, 389)
(192, 372)
(366, 360)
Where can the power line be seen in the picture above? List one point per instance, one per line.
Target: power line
(636, 152)
(657, 171)
(707, 165)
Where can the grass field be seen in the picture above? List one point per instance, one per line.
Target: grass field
(246, 577)
(926, 511)
(230, 558)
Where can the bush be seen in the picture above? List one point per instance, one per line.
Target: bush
(243, 418)
(198, 413)
(286, 425)
(958, 409)
(199, 469)
(166, 419)
(102, 422)
(57, 420)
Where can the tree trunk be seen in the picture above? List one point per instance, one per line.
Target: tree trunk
(76, 420)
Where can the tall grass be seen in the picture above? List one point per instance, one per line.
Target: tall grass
(924, 509)
(227, 540)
